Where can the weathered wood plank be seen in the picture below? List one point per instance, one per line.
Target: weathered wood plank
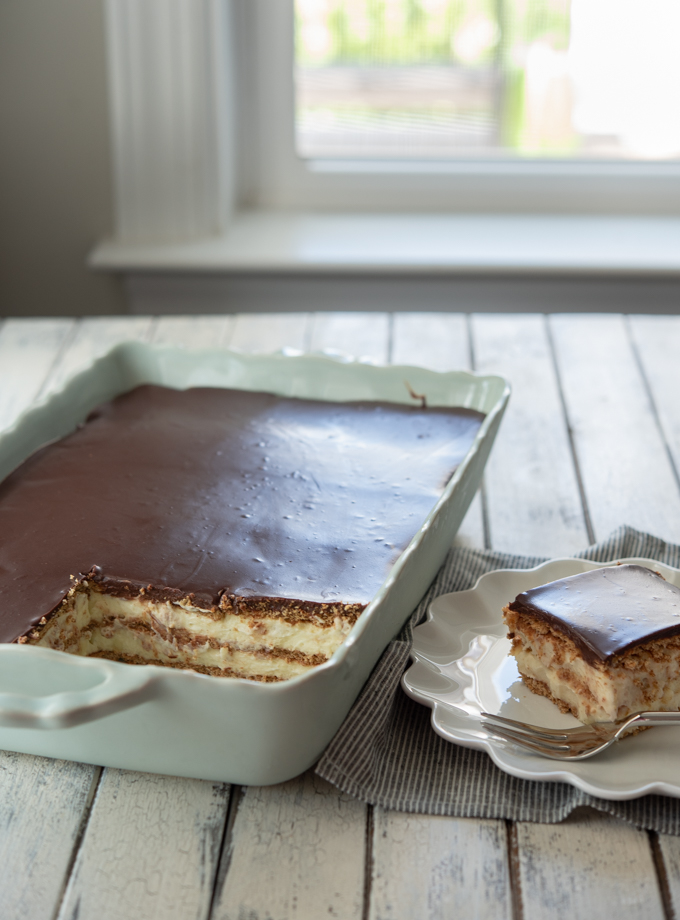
(150, 849)
(424, 866)
(625, 470)
(298, 852)
(439, 342)
(307, 842)
(60, 791)
(657, 340)
(94, 337)
(588, 866)
(581, 867)
(42, 803)
(28, 351)
(264, 332)
(286, 839)
(669, 848)
(533, 500)
(193, 331)
(432, 868)
(361, 335)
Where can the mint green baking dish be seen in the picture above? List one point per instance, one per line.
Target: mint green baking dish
(162, 720)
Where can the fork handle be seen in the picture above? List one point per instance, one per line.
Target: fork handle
(655, 718)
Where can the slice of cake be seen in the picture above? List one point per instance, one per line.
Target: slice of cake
(603, 644)
(231, 532)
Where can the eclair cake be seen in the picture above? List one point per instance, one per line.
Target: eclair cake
(236, 533)
(603, 644)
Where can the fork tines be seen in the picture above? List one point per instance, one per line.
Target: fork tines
(572, 743)
(560, 744)
(581, 732)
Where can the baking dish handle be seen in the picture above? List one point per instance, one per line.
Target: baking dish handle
(120, 687)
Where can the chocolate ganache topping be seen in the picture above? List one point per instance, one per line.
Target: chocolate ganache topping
(607, 611)
(205, 491)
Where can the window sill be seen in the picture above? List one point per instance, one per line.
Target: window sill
(415, 244)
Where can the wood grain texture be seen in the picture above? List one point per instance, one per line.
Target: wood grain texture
(287, 839)
(193, 331)
(626, 473)
(583, 867)
(42, 803)
(361, 335)
(93, 337)
(657, 342)
(425, 866)
(150, 849)
(298, 852)
(669, 848)
(588, 866)
(439, 342)
(533, 501)
(29, 349)
(434, 868)
(264, 332)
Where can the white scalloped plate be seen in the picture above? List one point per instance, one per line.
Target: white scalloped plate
(461, 667)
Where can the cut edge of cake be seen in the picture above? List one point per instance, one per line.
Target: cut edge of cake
(258, 638)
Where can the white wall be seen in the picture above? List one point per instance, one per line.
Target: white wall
(55, 178)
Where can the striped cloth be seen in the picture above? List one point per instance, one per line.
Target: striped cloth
(387, 754)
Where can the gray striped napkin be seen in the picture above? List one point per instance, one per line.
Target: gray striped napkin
(387, 754)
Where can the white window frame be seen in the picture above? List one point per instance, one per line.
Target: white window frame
(286, 181)
(206, 177)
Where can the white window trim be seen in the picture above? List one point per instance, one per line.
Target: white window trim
(470, 186)
(170, 89)
(206, 178)
(422, 244)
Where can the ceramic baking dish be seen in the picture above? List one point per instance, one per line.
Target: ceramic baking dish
(163, 720)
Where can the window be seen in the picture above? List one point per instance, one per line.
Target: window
(541, 105)
(442, 79)
(203, 112)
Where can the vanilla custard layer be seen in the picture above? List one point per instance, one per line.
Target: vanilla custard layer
(142, 630)
(646, 678)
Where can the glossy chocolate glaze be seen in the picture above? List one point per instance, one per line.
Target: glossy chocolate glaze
(209, 490)
(607, 611)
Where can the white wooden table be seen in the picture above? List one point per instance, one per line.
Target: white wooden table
(591, 440)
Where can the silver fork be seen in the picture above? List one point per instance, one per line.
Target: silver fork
(571, 743)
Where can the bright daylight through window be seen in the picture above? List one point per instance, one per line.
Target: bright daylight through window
(452, 79)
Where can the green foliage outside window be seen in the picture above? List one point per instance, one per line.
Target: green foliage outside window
(420, 32)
